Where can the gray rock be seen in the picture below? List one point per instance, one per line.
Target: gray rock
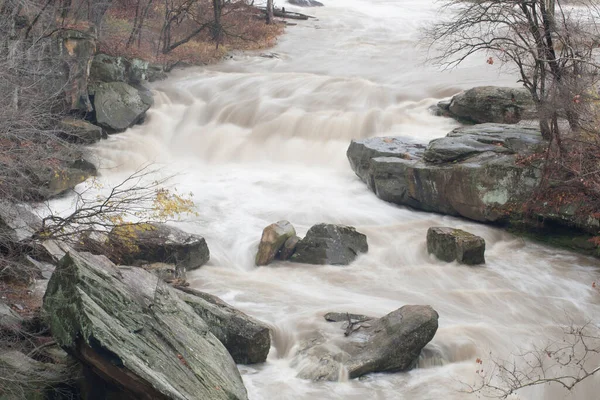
(474, 173)
(288, 249)
(330, 244)
(18, 222)
(493, 104)
(134, 328)
(344, 317)
(450, 244)
(388, 344)
(10, 321)
(80, 131)
(306, 3)
(273, 238)
(118, 105)
(159, 243)
(247, 340)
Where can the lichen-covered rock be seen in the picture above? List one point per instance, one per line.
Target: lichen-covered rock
(159, 243)
(450, 244)
(388, 344)
(330, 244)
(62, 179)
(247, 340)
(17, 222)
(136, 332)
(80, 131)
(133, 71)
(273, 238)
(502, 105)
(118, 106)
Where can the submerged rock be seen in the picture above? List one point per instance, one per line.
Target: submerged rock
(273, 238)
(483, 104)
(330, 244)
(136, 332)
(118, 106)
(450, 244)
(388, 344)
(247, 340)
(159, 243)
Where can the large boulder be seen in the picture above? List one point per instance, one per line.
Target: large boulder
(17, 222)
(388, 344)
(118, 105)
(482, 172)
(247, 340)
(273, 238)
(330, 244)
(450, 244)
(136, 333)
(482, 104)
(159, 243)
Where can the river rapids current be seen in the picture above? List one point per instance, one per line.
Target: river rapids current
(259, 139)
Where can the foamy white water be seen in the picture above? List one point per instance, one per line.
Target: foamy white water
(263, 139)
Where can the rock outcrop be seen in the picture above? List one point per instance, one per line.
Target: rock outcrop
(450, 244)
(247, 340)
(77, 49)
(483, 104)
(117, 105)
(135, 332)
(330, 244)
(388, 344)
(474, 172)
(133, 71)
(159, 243)
(273, 238)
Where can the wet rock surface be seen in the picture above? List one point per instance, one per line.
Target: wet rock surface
(449, 244)
(330, 244)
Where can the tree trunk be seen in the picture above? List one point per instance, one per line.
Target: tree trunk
(269, 11)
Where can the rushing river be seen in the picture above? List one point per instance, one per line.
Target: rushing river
(259, 139)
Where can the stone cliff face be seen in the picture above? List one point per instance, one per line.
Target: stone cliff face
(473, 172)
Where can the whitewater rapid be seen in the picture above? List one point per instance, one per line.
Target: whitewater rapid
(258, 139)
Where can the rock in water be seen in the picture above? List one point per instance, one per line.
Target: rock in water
(330, 244)
(306, 3)
(273, 238)
(502, 105)
(247, 340)
(136, 332)
(388, 344)
(450, 244)
(80, 131)
(118, 105)
(160, 243)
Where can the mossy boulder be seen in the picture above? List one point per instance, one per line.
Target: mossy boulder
(136, 333)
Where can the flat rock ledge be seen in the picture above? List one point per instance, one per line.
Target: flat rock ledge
(136, 333)
(473, 172)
